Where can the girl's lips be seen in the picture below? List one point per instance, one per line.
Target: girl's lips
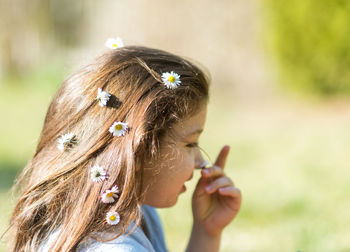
(183, 189)
(190, 177)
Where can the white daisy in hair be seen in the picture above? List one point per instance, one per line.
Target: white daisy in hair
(114, 43)
(98, 174)
(109, 195)
(112, 218)
(204, 164)
(171, 80)
(102, 97)
(119, 129)
(66, 141)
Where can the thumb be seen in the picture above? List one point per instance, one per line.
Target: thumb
(200, 187)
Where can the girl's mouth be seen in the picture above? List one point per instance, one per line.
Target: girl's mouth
(190, 177)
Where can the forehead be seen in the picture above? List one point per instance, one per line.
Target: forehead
(191, 126)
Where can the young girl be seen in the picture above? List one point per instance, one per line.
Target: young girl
(120, 139)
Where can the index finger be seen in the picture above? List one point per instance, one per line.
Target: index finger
(221, 159)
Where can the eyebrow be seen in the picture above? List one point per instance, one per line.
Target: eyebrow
(197, 131)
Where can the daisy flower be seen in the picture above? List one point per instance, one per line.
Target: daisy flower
(66, 141)
(112, 218)
(109, 195)
(204, 164)
(118, 129)
(102, 97)
(114, 43)
(171, 80)
(98, 174)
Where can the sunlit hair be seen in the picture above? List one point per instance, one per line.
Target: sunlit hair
(56, 190)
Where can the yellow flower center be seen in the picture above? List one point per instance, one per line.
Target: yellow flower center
(110, 194)
(115, 45)
(118, 127)
(112, 218)
(171, 79)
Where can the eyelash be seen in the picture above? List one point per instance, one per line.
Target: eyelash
(192, 145)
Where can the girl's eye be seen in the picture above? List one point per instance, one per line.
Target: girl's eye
(192, 145)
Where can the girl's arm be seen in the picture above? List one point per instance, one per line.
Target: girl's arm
(200, 241)
(215, 203)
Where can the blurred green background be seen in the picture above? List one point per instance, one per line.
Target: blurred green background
(279, 97)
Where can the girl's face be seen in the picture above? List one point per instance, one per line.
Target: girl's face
(164, 179)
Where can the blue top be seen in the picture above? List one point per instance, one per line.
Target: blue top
(137, 241)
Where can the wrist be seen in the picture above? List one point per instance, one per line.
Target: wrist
(203, 241)
(208, 233)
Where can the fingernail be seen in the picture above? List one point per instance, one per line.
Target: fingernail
(206, 172)
(208, 188)
(204, 164)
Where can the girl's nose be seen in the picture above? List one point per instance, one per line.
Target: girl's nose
(200, 160)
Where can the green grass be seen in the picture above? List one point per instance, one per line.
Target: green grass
(290, 159)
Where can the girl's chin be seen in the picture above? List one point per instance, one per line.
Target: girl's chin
(169, 202)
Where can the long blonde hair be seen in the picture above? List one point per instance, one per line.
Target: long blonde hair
(56, 190)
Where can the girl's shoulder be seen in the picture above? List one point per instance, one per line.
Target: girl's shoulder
(127, 242)
(136, 241)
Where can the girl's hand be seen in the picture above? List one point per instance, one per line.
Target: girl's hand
(216, 201)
